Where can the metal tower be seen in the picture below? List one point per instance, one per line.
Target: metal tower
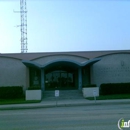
(23, 26)
(23, 13)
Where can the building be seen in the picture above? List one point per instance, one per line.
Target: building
(64, 70)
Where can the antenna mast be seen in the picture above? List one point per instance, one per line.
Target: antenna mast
(23, 13)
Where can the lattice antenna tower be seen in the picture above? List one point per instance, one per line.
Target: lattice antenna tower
(23, 12)
(23, 26)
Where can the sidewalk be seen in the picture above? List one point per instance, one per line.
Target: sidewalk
(62, 103)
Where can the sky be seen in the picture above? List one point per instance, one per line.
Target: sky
(66, 25)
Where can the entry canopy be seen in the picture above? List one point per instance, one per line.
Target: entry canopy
(60, 61)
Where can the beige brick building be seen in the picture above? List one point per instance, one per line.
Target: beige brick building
(64, 70)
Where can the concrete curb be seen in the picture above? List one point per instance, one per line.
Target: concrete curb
(36, 106)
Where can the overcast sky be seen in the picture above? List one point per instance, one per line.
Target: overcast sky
(67, 25)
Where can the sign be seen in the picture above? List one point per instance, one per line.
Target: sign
(94, 93)
(56, 93)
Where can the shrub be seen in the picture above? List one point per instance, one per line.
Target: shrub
(89, 85)
(11, 92)
(114, 88)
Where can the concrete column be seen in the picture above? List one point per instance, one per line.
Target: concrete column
(42, 79)
(27, 78)
(80, 78)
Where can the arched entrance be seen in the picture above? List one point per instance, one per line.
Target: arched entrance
(62, 75)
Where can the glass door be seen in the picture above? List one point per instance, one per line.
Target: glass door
(61, 80)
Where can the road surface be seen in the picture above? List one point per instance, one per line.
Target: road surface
(94, 117)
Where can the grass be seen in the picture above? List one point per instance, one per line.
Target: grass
(109, 97)
(17, 101)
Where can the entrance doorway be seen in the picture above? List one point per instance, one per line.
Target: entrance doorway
(59, 79)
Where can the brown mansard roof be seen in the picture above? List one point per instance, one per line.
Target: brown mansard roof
(86, 54)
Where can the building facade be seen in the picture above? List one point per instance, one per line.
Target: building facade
(64, 70)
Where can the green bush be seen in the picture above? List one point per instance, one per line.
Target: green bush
(89, 85)
(11, 92)
(114, 88)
